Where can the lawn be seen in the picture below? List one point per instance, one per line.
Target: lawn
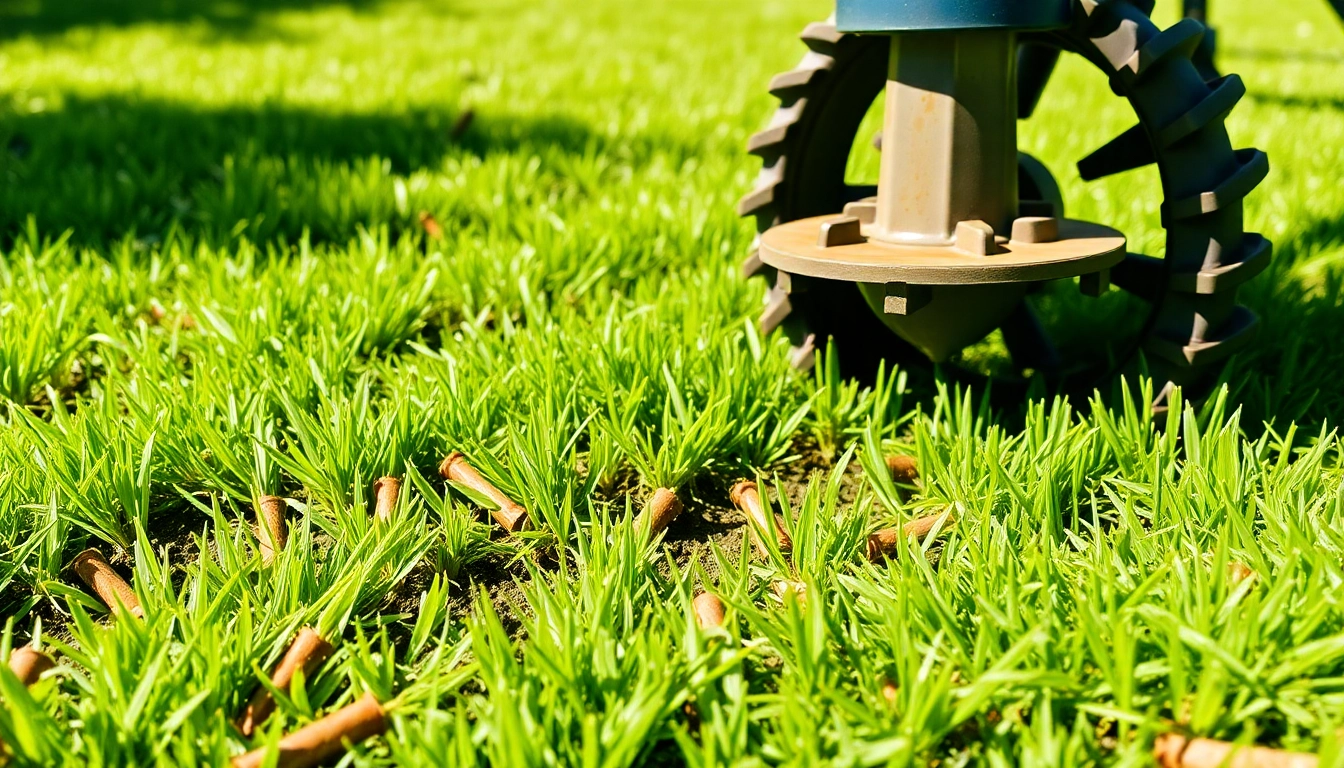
(289, 248)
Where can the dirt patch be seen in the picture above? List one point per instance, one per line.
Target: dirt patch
(45, 608)
(499, 577)
(174, 531)
(709, 520)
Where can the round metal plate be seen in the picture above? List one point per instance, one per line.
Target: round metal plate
(1082, 248)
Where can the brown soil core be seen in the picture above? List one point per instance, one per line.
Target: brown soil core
(1176, 751)
(321, 740)
(903, 469)
(510, 515)
(387, 491)
(307, 652)
(662, 508)
(28, 664)
(709, 610)
(113, 590)
(272, 533)
(747, 498)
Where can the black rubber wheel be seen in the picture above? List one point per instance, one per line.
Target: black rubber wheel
(1192, 322)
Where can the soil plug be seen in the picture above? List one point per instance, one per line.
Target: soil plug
(746, 497)
(433, 230)
(462, 124)
(321, 740)
(1239, 572)
(885, 541)
(387, 490)
(509, 514)
(110, 588)
(661, 509)
(903, 469)
(272, 533)
(1176, 751)
(28, 664)
(307, 652)
(709, 610)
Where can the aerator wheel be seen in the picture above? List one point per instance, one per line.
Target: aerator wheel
(1191, 322)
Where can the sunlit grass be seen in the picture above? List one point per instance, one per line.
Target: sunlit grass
(255, 249)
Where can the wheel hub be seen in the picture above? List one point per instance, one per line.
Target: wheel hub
(941, 298)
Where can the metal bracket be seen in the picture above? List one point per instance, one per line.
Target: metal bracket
(906, 299)
(846, 230)
(1094, 284)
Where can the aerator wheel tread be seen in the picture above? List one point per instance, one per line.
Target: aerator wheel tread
(1214, 107)
(1195, 321)
(1254, 167)
(834, 62)
(1125, 152)
(1180, 40)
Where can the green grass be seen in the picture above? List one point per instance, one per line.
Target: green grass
(215, 284)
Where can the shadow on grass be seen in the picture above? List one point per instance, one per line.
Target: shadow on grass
(108, 167)
(1296, 101)
(1283, 55)
(1311, 237)
(40, 18)
(1291, 372)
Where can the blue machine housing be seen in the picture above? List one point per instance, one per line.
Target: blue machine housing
(930, 15)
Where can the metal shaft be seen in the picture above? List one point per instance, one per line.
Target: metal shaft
(949, 136)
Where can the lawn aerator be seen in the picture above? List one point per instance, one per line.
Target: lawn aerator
(963, 234)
